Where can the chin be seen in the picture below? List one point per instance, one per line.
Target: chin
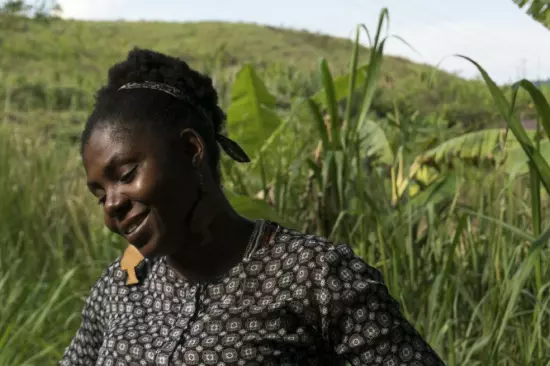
(150, 245)
(151, 248)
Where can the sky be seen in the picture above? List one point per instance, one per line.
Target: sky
(495, 33)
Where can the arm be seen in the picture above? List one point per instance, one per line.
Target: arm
(84, 347)
(362, 322)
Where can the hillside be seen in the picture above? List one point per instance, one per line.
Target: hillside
(95, 45)
(58, 66)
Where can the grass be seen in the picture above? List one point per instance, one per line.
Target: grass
(59, 65)
(461, 257)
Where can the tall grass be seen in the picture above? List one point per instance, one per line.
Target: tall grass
(467, 257)
(52, 246)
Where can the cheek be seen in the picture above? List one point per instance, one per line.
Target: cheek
(150, 182)
(167, 191)
(109, 223)
(150, 190)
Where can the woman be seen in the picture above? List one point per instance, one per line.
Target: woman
(200, 284)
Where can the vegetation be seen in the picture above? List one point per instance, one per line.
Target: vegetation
(14, 13)
(74, 56)
(537, 9)
(390, 157)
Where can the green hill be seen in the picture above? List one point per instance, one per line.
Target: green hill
(39, 48)
(57, 66)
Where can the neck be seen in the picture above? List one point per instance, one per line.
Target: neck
(230, 234)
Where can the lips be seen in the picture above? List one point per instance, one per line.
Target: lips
(133, 230)
(133, 227)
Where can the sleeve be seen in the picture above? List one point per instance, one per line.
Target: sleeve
(361, 322)
(84, 347)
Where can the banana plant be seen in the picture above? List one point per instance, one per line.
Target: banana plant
(337, 170)
(492, 147)
(355, 161)
(355, 164)
(537, 9)
(251, 114)
(251, 117)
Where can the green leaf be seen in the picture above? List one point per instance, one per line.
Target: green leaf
(320, 122)
(517, 162)
(353, 73)
(537, 9)
(369, 87)
(332, 103)
(519, 232)
(341, 87)
(443, 188)
(251, 115)
(252, 208)
(539, 163)
(488, 145)
(539, 100)
(473, 146)
(374, 143)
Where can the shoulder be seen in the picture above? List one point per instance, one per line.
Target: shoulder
(108, 277)
(109, 281)
(326, 259)
(338, 280)
(329, 276)
(112, 274)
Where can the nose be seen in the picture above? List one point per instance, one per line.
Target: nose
(116, 204)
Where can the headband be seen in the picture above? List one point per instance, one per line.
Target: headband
(230, 147)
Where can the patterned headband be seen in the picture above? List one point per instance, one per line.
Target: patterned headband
(230, 147)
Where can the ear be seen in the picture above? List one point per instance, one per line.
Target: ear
(193, 146)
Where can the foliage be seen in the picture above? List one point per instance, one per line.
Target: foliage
(537, 9)
(251, 114)
(460, 242)
(13, 13)
(75, 55)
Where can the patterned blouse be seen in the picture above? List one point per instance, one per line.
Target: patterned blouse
(296, 300)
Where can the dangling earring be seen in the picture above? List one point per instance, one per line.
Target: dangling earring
(130, 260)
(206, 209)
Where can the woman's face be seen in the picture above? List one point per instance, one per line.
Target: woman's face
(145, 188)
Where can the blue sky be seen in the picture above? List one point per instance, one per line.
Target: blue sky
(507, 42)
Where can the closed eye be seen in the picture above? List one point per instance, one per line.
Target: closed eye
(128, 176)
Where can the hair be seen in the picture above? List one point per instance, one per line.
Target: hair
(156, 111)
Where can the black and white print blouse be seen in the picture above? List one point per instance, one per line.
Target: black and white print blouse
(297, 300)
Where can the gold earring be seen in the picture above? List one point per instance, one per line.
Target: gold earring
(129, 261)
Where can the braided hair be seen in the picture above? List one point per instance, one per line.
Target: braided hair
(155, 111)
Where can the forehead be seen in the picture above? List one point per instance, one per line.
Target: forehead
(107, 144)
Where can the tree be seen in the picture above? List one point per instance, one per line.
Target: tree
(537, 9)
(14, 12)
(39, 9)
